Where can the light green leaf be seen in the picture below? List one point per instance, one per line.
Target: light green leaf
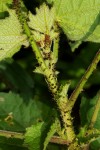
(80, 20)
(34, 136)
(38, 70)
(3, 4)
(43, 20)
(11, 37)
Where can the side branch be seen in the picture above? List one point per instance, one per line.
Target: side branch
(16, 135)
(82, 82)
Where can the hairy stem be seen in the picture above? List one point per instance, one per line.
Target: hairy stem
(55, 49)
(82, 82)
(50, 77)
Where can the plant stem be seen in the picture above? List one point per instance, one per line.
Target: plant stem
(16, 135)
(55, 49)
(51, 77)
(9, 134)
(82, 82)
(96, 111)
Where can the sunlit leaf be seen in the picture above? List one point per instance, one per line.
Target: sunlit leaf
(11, 37)
(43, 20)
(34, 136)
(80, 20)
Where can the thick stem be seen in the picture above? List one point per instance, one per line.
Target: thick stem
(51, 78)
(82, 82)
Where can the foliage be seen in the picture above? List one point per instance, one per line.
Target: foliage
(76, 19)
(33, 116)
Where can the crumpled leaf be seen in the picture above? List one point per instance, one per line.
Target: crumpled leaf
(43, 20)
(80, 20)
(11, 37)
(34, 136)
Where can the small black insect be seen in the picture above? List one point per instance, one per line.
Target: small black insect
(1, 49)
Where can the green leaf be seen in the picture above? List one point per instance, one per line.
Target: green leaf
(8, 143)
(95, 145)
(16, 115)
(87, 109)
(3, 9)
(11, 37)
(34, 136)
(80, 20)
(16, 78)
(43, 20)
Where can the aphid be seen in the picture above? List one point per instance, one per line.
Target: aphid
(16, 6)
(46, 55)
(1, 48)
(47, 40)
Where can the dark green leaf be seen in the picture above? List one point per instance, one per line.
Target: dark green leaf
(16, 78)
(16, 115)
(95, 145)
(87, 109)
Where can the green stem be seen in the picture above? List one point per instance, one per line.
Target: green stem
(51, 77)
(35, 48)
(52, 84)
(55, 49)
(95, 113)
(82, 82)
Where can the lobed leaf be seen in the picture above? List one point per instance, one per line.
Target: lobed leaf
(43, 20)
